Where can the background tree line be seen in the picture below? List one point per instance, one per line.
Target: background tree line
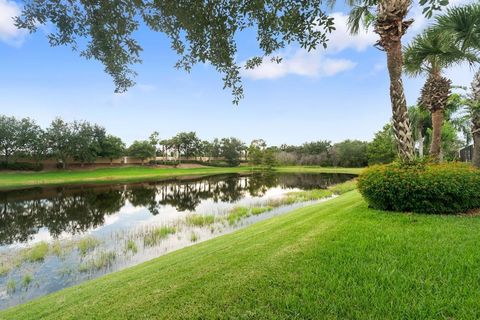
(84, 142)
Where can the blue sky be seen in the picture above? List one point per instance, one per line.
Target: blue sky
(335, 94)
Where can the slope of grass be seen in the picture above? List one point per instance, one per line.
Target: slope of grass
(335, 260)
(125, 174)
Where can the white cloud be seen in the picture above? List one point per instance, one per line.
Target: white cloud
(320, 62)
(8, 32)
(302, 63)
(341, 39)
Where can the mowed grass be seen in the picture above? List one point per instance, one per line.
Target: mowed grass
(129, 174)
(334, 260)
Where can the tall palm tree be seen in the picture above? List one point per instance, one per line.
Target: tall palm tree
(390, 23)
(429, 54)
(463, 26)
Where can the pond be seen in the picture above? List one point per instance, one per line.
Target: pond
(56, 237)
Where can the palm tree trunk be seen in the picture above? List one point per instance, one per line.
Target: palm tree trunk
(476, 119)
(401, 123)
(436, 145)
(476, 145)
(391, 26)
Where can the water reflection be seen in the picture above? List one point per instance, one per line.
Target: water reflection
(74, 210)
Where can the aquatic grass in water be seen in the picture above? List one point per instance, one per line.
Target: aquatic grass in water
(26, 280)
(236, 214)
(194, 237)
(57, 248)
(11, 286)
(154, 236)
(197, 220)
(131, 246)
(87, 244)
(344, 187)
(36, 253)
(103, 260)
(317, 194)
(259, 210)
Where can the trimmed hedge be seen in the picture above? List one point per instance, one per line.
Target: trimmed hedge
(424, 188)
(21, 166)
(174, 163)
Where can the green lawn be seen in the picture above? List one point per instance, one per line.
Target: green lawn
(334, 260)
(123, 174)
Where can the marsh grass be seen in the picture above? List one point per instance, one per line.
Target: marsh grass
(236, 214)
(131, 246)
(153, 236)
(194, 237)
(197, 220)
(26, 280)
(5, 267)
(87, 245)
(318, 194)
(103, 259)
(36, 253)
(11, 286)
(56, 248)
(259, 210)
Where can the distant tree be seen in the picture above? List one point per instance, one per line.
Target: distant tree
(39, 147)
(60, 139)
(255, 155)
(269, 160)
(142, 150)
(232, 149)
(205, 149)
(382, 148)
(216, 148)
(8, 136)
(188, 143)
(112, 148)
(256, 151)
(351, 153)
(155, 140)
(286, 158)
(315, 147)
(85, 141)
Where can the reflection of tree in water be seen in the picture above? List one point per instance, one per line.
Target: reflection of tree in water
(21, 219)
(75, 210)
(308, 181)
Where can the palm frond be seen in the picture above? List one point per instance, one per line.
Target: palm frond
(434, 50)
(360, 17)
(463, 24)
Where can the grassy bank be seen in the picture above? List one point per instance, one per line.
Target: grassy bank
(336, 260)
(27, 179)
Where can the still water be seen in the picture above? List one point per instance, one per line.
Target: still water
(52, 238)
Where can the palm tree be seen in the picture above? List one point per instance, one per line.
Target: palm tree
(390, 23)
(429, 54)
(463, 26)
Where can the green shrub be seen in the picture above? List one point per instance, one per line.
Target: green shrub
(214, 163)
(425, 188)
(21, 166)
